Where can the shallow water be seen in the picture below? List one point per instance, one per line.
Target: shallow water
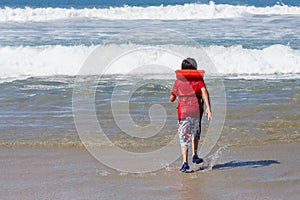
(38, 111)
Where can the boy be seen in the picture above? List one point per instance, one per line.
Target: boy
(189, 88)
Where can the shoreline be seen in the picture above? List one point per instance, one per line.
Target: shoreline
(268, 171)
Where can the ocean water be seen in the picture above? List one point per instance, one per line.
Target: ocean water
(253, 45)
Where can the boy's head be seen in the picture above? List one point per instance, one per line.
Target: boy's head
(189, 63)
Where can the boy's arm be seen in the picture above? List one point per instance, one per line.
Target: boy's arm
(207, 103)
(172, 98)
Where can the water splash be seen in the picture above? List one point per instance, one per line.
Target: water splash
(214, 159)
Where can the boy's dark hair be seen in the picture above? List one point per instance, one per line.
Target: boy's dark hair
(189, 63)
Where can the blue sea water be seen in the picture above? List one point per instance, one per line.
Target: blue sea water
(144, 3)
(35, 34)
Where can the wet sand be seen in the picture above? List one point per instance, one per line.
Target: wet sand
(268, 171)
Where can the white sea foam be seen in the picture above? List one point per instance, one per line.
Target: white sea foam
(41, 60)
(67, 60)
(175, 12)
(275, 59)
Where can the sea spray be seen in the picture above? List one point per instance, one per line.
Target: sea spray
(214, 159)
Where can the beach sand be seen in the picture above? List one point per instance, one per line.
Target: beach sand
(268, 171)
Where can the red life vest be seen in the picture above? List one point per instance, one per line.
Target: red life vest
(187, 88)
(190, 74)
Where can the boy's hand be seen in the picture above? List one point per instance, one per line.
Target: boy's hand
(208, 114)
(172, 98)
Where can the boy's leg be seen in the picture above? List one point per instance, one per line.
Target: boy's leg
(184, 151)
(185, 137)
(195, 140)
(185, 166)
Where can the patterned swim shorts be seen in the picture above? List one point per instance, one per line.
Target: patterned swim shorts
(187, 129)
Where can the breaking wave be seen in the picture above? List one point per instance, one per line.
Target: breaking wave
(67, 60)
(168, 12)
